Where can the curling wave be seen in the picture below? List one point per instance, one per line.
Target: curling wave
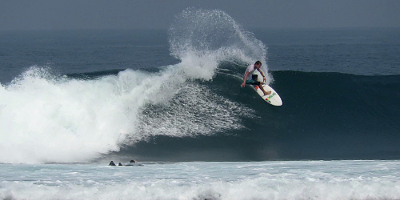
(46, 117)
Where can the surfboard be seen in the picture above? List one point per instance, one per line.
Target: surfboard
(273, 98)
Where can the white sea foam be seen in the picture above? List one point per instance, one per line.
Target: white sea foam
(217, 181)
(46, 119)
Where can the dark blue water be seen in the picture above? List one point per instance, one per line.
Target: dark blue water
(353, 51)
(83, 51)
(326, 115)
(340, 90)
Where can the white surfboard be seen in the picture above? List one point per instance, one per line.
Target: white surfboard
(273, 98)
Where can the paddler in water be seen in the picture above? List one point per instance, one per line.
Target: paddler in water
(131, 163)
(112, 163)
(251, 79)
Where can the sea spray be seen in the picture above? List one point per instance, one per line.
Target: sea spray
(203, 38)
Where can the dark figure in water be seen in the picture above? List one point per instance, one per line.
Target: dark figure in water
(131, 163)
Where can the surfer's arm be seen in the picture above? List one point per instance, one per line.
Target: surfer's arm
(245, 79)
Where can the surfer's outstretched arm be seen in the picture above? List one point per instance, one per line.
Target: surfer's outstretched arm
(245, 79)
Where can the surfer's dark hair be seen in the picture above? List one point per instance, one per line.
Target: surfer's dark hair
(258, 62)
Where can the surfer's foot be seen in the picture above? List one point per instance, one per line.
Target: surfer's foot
(267, 93)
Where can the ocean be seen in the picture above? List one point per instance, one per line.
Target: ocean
(73, 100)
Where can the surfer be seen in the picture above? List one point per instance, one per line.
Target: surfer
(131, 163)
(112, 163)
(251, 79)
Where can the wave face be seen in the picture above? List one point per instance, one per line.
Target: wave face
(80, 117)
(324, 116)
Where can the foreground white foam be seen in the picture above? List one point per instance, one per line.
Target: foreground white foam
(250, 180)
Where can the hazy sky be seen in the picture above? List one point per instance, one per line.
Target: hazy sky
(143, 14)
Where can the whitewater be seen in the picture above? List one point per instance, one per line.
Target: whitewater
(205, 180)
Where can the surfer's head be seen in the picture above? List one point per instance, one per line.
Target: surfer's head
(257, 64)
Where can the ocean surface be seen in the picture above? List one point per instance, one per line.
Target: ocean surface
(73, 100)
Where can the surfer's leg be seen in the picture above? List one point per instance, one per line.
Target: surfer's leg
(262, 89)
(251, 82)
